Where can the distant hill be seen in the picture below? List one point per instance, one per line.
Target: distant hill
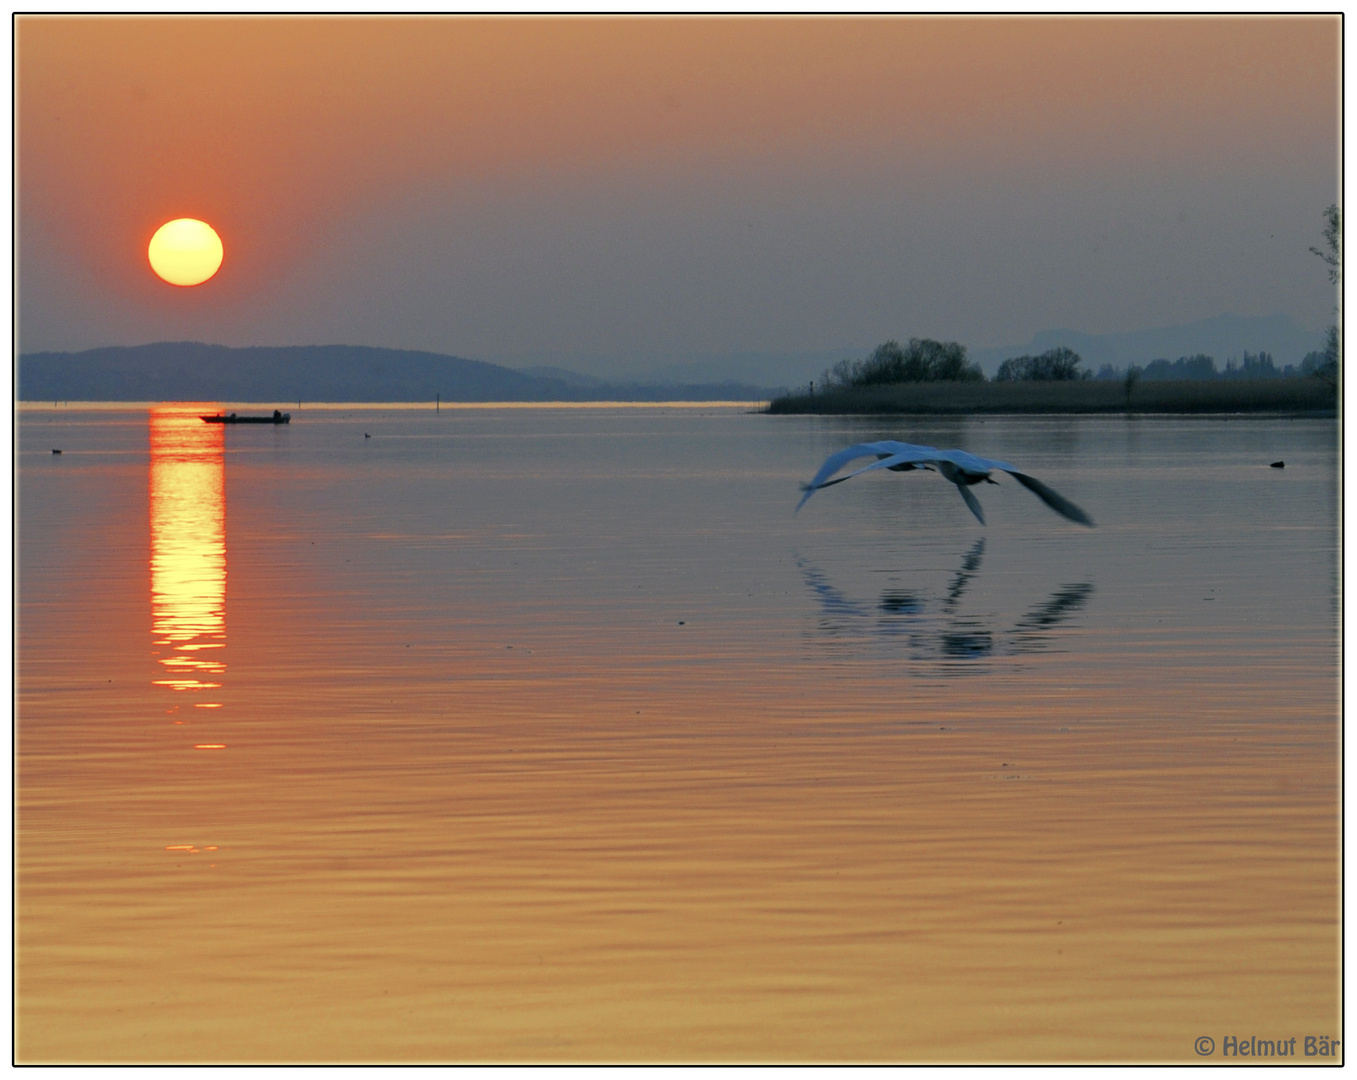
(193, 371)
(786, 370)
(571, 378)
(775, 371)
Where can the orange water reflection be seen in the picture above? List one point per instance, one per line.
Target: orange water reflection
(188, 549)
(769, 834)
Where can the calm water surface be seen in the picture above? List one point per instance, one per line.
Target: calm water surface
(517, 734)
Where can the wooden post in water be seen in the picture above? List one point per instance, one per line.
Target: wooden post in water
(437, 401)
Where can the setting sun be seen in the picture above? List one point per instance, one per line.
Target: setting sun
(185, 251)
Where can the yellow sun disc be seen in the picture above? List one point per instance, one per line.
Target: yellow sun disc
(185, 251)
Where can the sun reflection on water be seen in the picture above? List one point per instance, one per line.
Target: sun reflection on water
(188, 549)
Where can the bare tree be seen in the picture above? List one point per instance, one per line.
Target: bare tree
(1333, 236)
(1328, 369)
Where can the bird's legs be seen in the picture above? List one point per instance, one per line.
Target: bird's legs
(963, 479)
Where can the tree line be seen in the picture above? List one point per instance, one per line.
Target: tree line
(925, 360)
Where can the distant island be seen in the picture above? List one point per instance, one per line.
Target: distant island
(193, 371)
(934, 377)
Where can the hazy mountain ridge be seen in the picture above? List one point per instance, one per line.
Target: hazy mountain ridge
(193, 371)
(179, 371)
(773, 370)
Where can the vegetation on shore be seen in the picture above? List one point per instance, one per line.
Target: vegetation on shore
(922, 360)
(935, 377)
(1295, 394)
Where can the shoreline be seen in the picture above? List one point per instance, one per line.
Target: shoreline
(404, 406)
(1298, 396)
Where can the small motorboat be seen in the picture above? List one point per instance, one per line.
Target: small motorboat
(232, 418)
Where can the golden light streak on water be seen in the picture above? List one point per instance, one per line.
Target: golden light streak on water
(188, 547)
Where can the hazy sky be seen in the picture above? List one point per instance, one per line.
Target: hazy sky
(543, 189)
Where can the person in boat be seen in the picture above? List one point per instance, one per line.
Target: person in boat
(277, 416)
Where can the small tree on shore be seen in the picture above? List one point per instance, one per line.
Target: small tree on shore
(922, 360)
(1129, 383)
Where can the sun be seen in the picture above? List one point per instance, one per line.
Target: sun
(185, 251)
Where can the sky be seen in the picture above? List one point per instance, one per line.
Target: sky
(611, 193)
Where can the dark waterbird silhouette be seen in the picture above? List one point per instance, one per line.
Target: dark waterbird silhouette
(961, 468)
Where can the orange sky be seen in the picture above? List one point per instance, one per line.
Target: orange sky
(280, 131)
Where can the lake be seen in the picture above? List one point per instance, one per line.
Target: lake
(551, 734)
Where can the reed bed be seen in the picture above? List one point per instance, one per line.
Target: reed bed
(1301, 395)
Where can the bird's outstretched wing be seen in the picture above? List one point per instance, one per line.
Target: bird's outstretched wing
(915, 455)
(885, 451)
(970, 463)
(891, 455)
(1051, 498)
(927, 455)
(1048, 495)
(972, 502)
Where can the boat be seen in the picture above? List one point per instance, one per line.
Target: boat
(232, 418)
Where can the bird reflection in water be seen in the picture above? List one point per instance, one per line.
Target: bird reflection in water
(935, 631)
(188, 552)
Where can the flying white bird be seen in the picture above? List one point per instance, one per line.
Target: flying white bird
(959, 467)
